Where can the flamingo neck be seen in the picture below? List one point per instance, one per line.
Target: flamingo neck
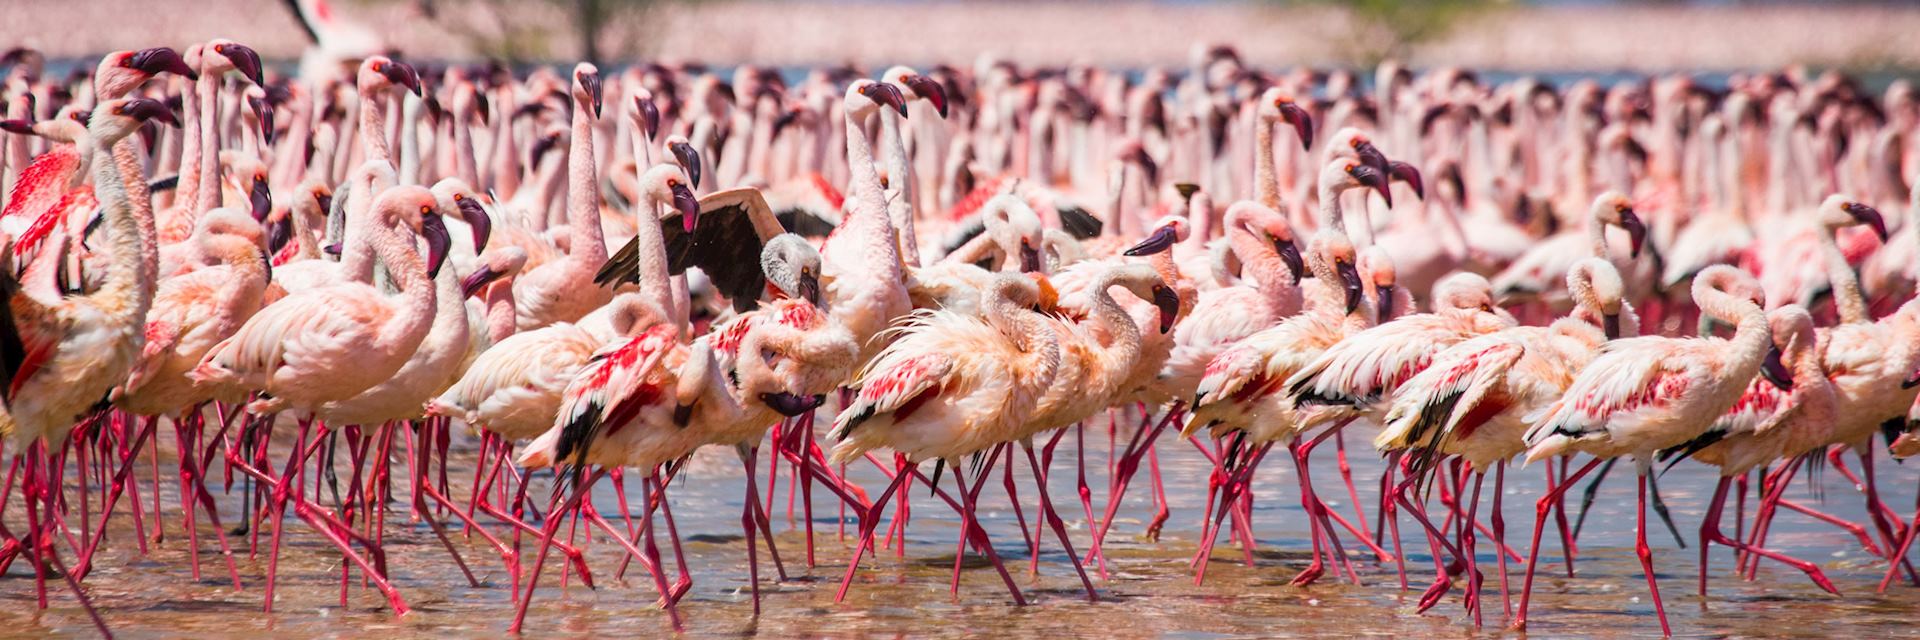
(464, 163)
(373, 126)
(583, 197)
(208, 195)
(128, 289)
(1597, 237)
(1266, 179)
(126, 158)
(1121, 353)
(900, 178)
(190, 150)
(403, 332)
(409, 168)
(1847, 297)
(500, 313)
(867, 211)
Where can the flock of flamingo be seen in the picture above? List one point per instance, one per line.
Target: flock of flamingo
(597, 275)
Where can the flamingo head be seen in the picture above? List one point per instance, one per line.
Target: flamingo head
(1276, 105)
(687, 157)
(1168, 231)
(666, 183)
(1616, 209)
(1132, 152)
(1839, 211)
(1351, 142)
(377, 73)
(457, 197)
(643, 111)
(117, 119)
(864, 96)
(232, 56)
(793, 266)
(497, 263)
(919, 87)
(121, 71)
(587, 92)
(1359, 174)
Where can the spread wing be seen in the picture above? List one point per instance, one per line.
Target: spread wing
(734, 225)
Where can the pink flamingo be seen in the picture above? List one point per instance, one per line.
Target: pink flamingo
(59, 358)
(1645, 394)
(327, 344)
(945, 388)
(562, 290)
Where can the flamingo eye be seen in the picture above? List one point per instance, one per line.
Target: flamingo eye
(219, 48)
(1350, 167)
(458, 197)
(425, 209)
(378, 67)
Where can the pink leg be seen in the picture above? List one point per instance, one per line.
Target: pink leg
(1645, 552)
(1052, 518)
(1540, 513)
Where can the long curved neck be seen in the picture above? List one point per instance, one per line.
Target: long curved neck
(373, 127)
(464, 164)
(402, 332)
(655, 283)
(128, 289)
(1266, 180)
(409, 165)
(500, 314)
(1847, 298)
(140, 203)
(589, 248)
(208, 196)
(1597, 237)
(1125, 347)
(190, 149)
(1749, 321)
(869, 219)
(900, 178)
(1332, 215)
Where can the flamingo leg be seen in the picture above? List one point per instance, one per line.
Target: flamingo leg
(1052, 517)
(1540, 512)
(1645, 553)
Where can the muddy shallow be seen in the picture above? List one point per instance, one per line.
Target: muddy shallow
(1150, 591)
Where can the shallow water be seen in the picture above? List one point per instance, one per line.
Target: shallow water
(1150, 591)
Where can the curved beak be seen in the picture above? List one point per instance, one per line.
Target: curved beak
(279, 233)
(689, 160)
(1913, 380)
(325, 200)
(809, 286)
(264, 110)
(1350, 280)
(1385, 312)
(20, 127)
(161, 60)
(261, 198)
(1029, 258)
(887, 95)
(1868, 216)
(150, 110)
(402, 74)
(1302, 122)
(791, 405)
(246, 61)
(1160, 240)
(1611, 325)
(1169, 304)
(438, 242)
(1370, 155)
(1776, 371)
(1290, 254)
(477, 218)
(332, 249)
(649, 116)
(1636, 230)
(687, 205)
(482, 107)
(930, 90)
(591, 82)
(1405, 172)
(479, 279)
(1375, 179)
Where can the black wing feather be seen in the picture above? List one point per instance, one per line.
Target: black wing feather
(726, 247)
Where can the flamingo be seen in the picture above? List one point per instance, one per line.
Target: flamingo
(1765, 422)
(861, 266)
(944, 388)
(298, 352)
(61, 357)
(1645, 394)
(561, 290)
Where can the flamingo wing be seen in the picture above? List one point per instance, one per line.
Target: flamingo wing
(616, 383)
(1366, 366)
(1628, 377)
